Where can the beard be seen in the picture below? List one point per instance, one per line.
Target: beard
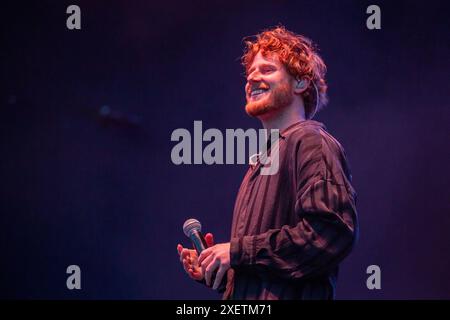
(278, 98)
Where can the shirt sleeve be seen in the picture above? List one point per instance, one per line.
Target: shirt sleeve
(325, 204)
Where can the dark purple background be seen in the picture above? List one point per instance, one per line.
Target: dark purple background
(104, 194)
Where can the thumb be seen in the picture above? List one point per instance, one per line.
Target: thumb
(209, 238)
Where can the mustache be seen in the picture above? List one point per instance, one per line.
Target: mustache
(257, 86)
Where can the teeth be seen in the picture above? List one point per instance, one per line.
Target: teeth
(257, 91)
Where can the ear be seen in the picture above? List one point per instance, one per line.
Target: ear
(301, 85)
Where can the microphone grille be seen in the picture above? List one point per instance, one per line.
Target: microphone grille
(191, 225)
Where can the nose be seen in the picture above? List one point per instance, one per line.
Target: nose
(253, 77)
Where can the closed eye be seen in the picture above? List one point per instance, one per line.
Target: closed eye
(263, 69)
(267, 69)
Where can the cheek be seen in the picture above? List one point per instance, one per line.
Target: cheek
(284, 82)
(276, 80)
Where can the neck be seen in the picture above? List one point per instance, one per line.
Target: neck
(281, 119)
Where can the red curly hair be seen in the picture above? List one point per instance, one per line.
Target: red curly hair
(299, 55)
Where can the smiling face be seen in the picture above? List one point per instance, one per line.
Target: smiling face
(269, 86)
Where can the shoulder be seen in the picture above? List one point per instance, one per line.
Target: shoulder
(310, 143)
(309, 134)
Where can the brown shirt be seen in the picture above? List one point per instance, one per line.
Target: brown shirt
(290, 230)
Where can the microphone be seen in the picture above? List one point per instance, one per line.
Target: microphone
(192, 229)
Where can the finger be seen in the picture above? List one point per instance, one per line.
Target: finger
(209, 238)
(208, 260)
(179, 248)
(204, 254)
(210, 269)
(219, 275)
(195, 274)
(186, 265)
(184, 254)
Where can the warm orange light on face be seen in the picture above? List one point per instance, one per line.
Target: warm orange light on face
(268, 86)
(297, 55)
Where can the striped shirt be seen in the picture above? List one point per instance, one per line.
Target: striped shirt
(290, 230)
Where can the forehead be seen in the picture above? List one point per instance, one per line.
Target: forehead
(265, 58)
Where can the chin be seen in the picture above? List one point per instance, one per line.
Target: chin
(259, 108)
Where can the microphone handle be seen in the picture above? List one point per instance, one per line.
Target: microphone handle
(198, 241)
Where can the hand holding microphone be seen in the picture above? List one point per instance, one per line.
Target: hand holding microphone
(208, 261)
(189, 257)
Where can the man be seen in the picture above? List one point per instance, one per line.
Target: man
(290, 230)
